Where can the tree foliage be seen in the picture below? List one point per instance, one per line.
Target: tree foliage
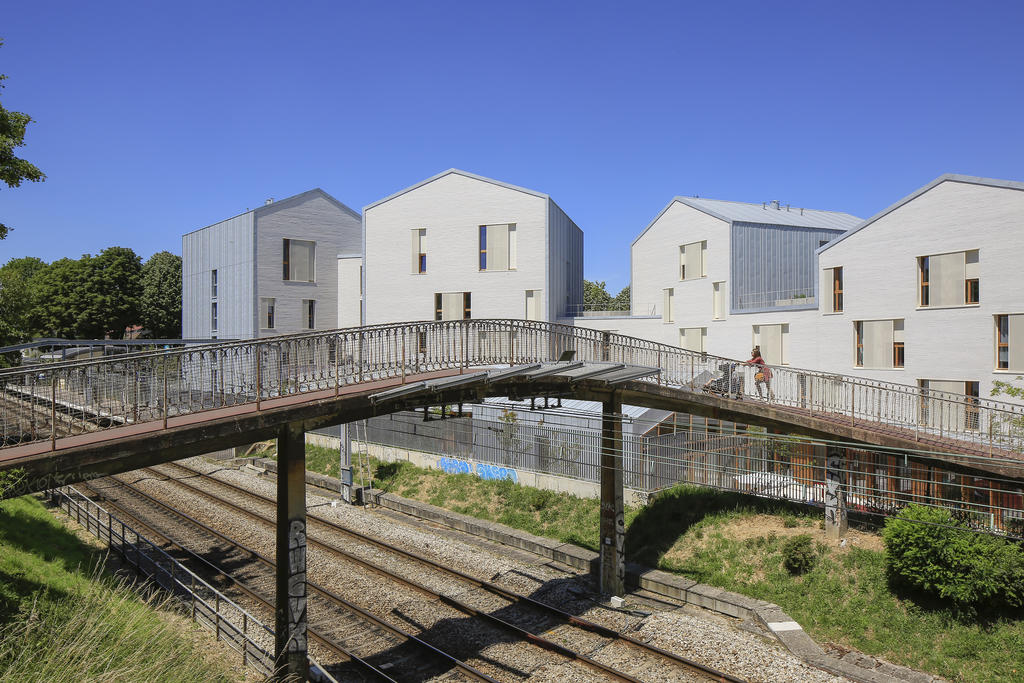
(18, 299)
(597, 298)
(160, 300)
(13, 169)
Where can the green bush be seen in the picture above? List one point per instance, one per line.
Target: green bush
(929, 551)
(798, 556)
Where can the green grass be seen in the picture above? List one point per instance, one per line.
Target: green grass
(62, 619)
(845, 599)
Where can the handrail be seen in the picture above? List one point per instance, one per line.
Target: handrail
(76, 396)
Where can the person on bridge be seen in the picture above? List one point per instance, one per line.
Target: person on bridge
(763, 374)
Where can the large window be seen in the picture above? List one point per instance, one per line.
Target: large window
(299, 259)
(309, 313)
(419, 250)
(1010, 342)
(693, 338)
(949, 404)
(949, 279)
(878, 343)
(498, 247)
(667, 299)
(267, 313)
(691, 260)
(452, 306)
(774, 343)
(832, 289)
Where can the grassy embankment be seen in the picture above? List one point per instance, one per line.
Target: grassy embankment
(61, 619)
(734, 542)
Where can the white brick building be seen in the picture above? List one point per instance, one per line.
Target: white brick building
(458, 245)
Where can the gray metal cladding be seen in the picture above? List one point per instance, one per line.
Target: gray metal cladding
(226, 247)
(774, 267)
(565, 259)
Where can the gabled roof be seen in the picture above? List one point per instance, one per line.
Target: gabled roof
(295, 198)
(764, 214)
(948, 177)
(457, 172)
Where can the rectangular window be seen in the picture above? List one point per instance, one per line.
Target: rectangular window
(309, 313)
(691, 260)
(973, 391)
(452, 305)
(533, 304)
(213, 284)
(878, 343)
(498, 248)
(666, 311)
(718, 300)
(298, 261)
(693, 338)
(949, 279)
(213, 316)
(774, 343)
(1010, 342)
(421, 338)
(419, 250)
(267, 313)
(949, 404)
(832, 289)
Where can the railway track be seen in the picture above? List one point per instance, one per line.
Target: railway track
(359, 646)
(605, 654)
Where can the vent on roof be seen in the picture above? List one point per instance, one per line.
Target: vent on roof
(270, 200)
(775, 204)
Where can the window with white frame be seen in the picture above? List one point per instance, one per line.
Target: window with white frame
(267, 313)
(452, 305)
(949, 279)
(832, 289)
(299, 260)
(693, 338)
(419, 250)
(668, 295)
(498, 248)
(692, 260)
(774, 343)
(1009, 336)
(718, 300)
(309, 313)
(878, 343)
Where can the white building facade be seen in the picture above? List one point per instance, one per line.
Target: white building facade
(269, 271)
(458, 245)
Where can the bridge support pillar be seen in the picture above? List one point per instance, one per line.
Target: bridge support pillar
(835, 497)
(613, 527)
(290, 652)
(345, 464)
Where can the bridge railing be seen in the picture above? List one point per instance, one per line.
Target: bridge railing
(67, 398)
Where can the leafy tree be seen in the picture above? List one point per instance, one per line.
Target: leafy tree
(60, 288)
(115, 287)
(160, 301)
(13, 169)
(595, 296)
(621, 301)
(18, 299)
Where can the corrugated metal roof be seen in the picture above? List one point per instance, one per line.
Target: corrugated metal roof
(573, 406)
(767, 214)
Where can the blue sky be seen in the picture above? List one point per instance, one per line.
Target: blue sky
(154, 119)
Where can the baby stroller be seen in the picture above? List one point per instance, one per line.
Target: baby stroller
(726, 382)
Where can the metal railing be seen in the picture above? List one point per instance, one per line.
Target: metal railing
(44, 404)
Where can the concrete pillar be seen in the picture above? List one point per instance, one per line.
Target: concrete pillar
(835, 498)
(345, 464)
(290, 652)
(613, 526)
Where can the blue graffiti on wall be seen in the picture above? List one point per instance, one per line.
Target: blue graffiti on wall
(483, 470)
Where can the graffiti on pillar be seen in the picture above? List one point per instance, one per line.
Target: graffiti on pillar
(620, 547)
(835, 503)
(296, 586)
(482, 470)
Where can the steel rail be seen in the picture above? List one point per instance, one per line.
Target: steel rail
(489, 586)
(331, 596)
(242, 586)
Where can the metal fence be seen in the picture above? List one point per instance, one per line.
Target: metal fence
(44, 403)
(230, 623)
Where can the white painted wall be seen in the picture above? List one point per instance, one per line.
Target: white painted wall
(350, 298)
(452, 207)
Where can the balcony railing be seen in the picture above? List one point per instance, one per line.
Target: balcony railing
(45, 403)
